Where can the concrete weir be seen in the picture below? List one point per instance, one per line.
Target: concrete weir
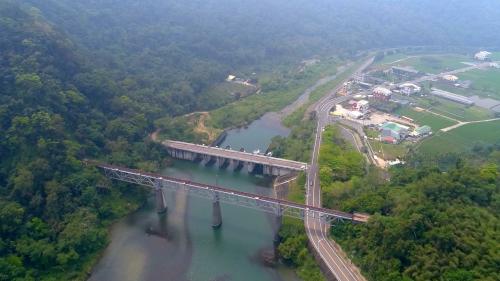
(232, 159)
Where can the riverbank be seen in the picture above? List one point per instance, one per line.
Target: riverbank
(281, 94)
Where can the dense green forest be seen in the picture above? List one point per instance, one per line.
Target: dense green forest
(429, 223)
(54, 111)
(169, 53)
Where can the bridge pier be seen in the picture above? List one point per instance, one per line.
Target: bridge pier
(216, 212)
(278, 223)
(161, 203)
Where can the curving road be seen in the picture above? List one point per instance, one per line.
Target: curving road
(331, 254)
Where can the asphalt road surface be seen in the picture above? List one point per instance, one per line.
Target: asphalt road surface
(332, 255)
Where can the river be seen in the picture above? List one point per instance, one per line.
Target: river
(182, 245)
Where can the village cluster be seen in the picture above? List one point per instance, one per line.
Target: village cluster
(377, 92)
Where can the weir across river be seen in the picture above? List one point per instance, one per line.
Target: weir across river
(233, 159)
(219, 194)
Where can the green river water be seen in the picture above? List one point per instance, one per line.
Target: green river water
(182, 244)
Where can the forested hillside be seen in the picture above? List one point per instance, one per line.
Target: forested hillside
(430, 224)
(54, 111)
(172, 51)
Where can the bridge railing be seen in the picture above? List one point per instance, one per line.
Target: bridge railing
(234, 197)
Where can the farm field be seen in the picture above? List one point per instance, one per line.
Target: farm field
(389, 151)
(462, 138)
(425, 118)
(435, 64)
(495, 56)
(484, 82)
(454, 110)
(388, 59)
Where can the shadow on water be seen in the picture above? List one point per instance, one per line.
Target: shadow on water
(160, 228)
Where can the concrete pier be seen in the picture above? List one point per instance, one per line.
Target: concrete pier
(161, 203)
(278, 223)
(216, 212)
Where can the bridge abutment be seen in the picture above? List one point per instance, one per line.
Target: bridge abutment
(216, 212)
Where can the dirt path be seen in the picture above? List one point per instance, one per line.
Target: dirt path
(460, 124)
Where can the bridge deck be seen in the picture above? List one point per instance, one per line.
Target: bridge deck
(237, 155)
(314, 211)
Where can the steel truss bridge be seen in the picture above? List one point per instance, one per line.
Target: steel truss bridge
(229, 196)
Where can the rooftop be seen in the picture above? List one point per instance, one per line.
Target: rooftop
(452, 96)
(423, 130)
(394, 126)
(382, 91)
(405, 69)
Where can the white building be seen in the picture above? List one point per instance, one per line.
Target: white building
(355, 114)
(409, 88)
(450, 78)
(382, 93)
(361, 106)
(483, 55)
(494, 65)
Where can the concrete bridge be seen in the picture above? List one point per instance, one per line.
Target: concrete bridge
(232, 159)
(219, 194)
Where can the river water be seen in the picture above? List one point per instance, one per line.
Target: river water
(182, 245)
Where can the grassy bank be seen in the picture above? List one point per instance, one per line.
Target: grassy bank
(293, 247)
(278, 89)
(426, 118)
(339, 162)
(277, 92)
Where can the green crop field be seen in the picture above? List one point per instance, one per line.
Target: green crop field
(454, 110)
(462, 138)
(426, 118)
(392, 58)
(484, 82)
(389, 151)
(495, 56)
(435, 63)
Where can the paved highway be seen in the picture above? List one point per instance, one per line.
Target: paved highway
(332, 255)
